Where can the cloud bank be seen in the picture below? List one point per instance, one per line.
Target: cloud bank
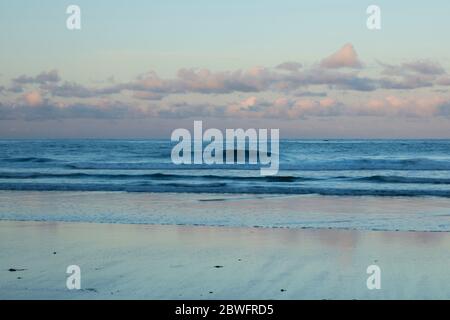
(325, 89)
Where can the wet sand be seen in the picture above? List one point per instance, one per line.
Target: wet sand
(226, 210)
(121, 261)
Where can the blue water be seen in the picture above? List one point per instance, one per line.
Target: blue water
(335, 167)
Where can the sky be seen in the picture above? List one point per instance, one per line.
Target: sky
(140, 69)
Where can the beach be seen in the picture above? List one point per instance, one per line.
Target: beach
(141, 227)
(122, 261)
(234, 150)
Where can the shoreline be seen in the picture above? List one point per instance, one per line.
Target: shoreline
(129, 261)
(293, 212)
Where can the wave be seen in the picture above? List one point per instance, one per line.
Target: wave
(399, 179)
(410, 164)
(164, 176)
(202, 179)
(223, 188)
(29, 159)
(150, 176)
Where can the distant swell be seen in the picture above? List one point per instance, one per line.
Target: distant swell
(298, 164)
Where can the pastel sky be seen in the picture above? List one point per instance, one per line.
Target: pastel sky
(140, 69)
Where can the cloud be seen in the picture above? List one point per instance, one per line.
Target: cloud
(310, 94)
(412, 75)
(394, 106)
(150, 86)
(15, 88)
(48, 110)
(332, 78)
(188, 110)
(33, 107)
(204, 81)
(425, 67)
(32, 98)
(74, 90)
(253, 108)
(325, 76)
(346, 57)
(443, 81)
(41, 78)
(304, 91)
(71, 89)
(303, 108)
(407, 83)
(147, 95)
(289, 66)
(388, 106)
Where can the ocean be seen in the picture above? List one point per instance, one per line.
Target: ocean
(391, 184)
(336, 167)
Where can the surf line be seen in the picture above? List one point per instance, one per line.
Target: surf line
(235, 143)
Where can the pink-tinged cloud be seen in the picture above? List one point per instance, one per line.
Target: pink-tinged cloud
(346, 57)
(388, 106)
(249, 102)
(443, 81)
(400, 106)
(242, 107)
(32, 98)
